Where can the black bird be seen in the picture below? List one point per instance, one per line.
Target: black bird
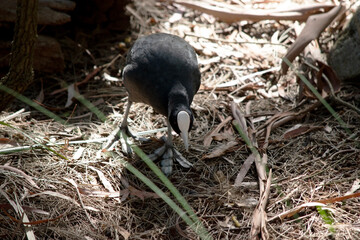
(162, 71)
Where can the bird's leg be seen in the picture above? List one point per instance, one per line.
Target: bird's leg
(122, 129)
(124, 125)
(167, 152)
(125, 129)
(167, 158)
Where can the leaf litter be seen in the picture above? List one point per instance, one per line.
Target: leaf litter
(92, 197)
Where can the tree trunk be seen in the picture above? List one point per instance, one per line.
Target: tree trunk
(21, 74)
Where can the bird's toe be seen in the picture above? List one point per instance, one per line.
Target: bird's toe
(112, 139)
(181, 159)
(125, 146)
(121, 134)
(167, 162)
(167, 154)
(158, 153)
(125, 130)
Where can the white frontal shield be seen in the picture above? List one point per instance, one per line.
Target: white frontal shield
(183, 121)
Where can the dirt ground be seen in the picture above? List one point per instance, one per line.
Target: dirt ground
(73, 191)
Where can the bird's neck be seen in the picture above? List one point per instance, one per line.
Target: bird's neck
(178, 99)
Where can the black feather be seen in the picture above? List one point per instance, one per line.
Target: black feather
(162, 71)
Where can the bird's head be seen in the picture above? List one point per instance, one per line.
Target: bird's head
(181, 121)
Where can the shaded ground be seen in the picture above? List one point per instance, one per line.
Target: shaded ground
(320, 163)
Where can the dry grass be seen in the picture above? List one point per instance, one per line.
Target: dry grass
(319, 164)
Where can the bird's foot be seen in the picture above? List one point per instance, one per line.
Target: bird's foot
(168, 153)
(122, 134)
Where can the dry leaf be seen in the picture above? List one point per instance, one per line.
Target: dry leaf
(103, 179)
(322, 84)
(123, 232)
(314, 26)
(175, 17)
(223, 136)
(26, 208)
(97, 193)
(142, 194)
(354, 187)
(7, 143)
(40, 96)
(56, 194)
(220, 177)
(249, 86)
(78, 153)
(247, 203)
(258, 224)
(71, 95)
(110, 78)
(229, 14)
(18, 171)
(244, 169)
(295, 131)
(209, 137)
(220, 150)
(239, 119)
(320, 203)
(328, 129)
(299, 130)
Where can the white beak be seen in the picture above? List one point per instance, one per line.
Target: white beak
(183, 121)
(185, 138)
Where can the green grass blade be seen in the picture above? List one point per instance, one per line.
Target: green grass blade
(327, 218)
(32, 104)
(246, 139)
(321, 99)
(39, 144)
(90, 106)
(200, 229)
(194, 225)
